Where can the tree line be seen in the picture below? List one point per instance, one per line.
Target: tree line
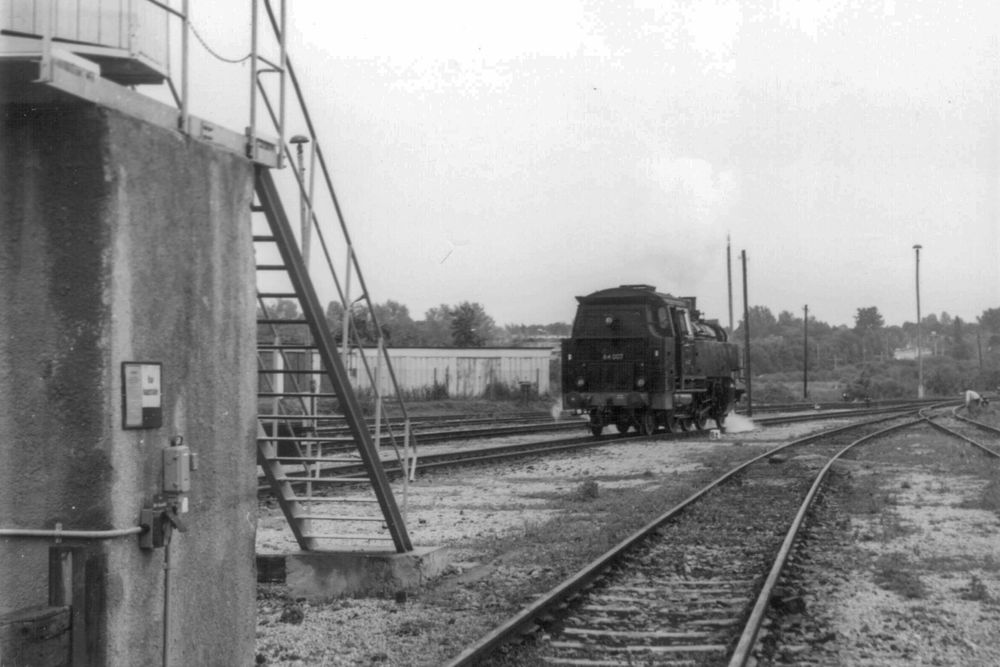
(779, 343)
(464, 324)
(876, 360)
(869, 358)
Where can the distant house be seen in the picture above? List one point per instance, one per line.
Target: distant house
(910, 352)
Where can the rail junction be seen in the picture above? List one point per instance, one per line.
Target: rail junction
(696, 585)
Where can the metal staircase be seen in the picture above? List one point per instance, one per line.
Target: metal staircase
(290, 442)
(357, 511)
(305, 385)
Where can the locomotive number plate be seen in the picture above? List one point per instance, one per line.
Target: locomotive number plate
(617, 356)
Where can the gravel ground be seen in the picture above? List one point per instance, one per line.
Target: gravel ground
(902, 568)
(516, 529)
(494, 519)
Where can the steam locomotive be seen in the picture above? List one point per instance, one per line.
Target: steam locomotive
(641, 359)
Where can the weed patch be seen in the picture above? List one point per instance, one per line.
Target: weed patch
(977, 591)
(893, 573)
(588, 490)
(865, 495)
(989, 496)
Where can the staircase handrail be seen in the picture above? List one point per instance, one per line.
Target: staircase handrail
(314, 220)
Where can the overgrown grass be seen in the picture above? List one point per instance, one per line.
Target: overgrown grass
(894, 573)
(977, 591)
(864, 494)
(989, 497)
(588, 490)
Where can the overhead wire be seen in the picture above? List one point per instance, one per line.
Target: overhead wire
(213, 52)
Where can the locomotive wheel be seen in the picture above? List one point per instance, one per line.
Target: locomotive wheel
(670, 422)
(685, 423)
(720, 422)
(647, 422)
(699, 421)
(622, 424)
(596, 430)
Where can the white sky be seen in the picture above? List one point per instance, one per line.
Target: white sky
(521, 153)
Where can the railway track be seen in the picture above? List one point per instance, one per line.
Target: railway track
(478, 454)
(693, 586)
(797, 636)
(336, 439)
(966, 429)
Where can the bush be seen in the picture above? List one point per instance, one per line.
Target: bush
(773, 392)
(498, 391)
(588, 490)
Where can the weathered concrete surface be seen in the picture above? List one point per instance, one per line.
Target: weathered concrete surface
(120, 241)
(329, 575)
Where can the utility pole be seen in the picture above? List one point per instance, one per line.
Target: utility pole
(805, 352)
(746, 335)
(729, 283)
(920, 339)
(979, 347)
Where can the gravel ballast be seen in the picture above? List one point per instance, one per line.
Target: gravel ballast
(516, 529)
(498, 523)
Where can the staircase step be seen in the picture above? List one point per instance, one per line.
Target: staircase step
(324, 499)
(315, 459)
(321, 480)
(279, 320)
(347, 536)
(329, 517)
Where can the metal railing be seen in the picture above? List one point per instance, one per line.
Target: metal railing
(312, 203)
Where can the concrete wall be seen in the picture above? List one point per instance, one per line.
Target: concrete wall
(120, 241)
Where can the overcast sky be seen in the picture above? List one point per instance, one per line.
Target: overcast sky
(519, 154)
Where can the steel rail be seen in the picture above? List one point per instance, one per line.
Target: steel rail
(962, 436)
(748, 638)
(428, 437)
(593, 570)
(986, 427)
(498, 453)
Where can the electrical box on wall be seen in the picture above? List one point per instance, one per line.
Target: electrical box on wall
(142, 395)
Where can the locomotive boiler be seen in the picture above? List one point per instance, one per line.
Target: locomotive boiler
(642, 359)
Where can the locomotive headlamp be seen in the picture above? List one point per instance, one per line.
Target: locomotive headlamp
(640, 382)
(580, 382)
(609, 320)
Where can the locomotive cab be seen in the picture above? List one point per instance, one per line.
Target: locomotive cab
(641, 359)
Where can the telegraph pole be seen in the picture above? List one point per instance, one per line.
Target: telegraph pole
(746, 335)
(729, 282)
(920, 339)
(805, 352)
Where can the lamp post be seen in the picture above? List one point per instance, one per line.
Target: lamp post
(920, 340)
(305, 226)
(299, 141)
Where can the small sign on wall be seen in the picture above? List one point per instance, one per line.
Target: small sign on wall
(142, 394)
